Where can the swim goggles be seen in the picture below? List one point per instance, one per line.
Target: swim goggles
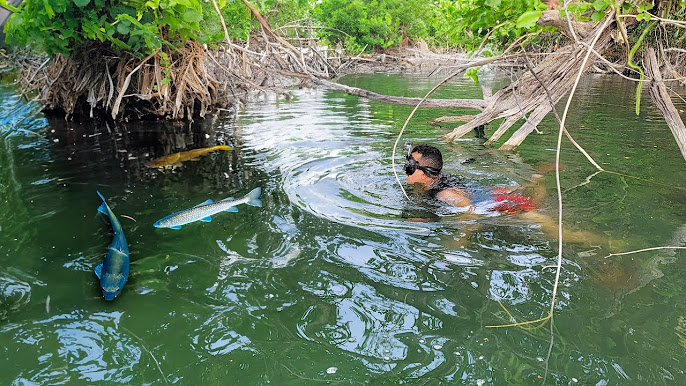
(411, 164)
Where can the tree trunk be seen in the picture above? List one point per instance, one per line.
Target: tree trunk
(660, 95)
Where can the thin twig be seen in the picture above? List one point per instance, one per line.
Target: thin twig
(677, 23)
(586, 181)
(221, 18)
(642, 250)
(557, 162)
(488, 35)
(117, 102)
(148, 351)
(557, 116)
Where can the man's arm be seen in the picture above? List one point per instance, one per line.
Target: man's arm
(455, 197)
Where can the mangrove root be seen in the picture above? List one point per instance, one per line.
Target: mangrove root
(530, 97)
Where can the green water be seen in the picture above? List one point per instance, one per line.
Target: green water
(333, 280)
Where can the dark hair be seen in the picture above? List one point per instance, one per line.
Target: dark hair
(431, 156)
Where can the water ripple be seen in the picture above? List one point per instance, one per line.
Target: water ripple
(14, 294)
(77, 347)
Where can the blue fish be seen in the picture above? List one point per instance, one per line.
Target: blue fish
(114, 270)
(205, 210)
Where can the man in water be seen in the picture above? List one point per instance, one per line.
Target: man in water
(423, 167)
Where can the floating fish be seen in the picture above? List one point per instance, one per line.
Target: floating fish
(205, 210)
(114, 270)
(174, 160)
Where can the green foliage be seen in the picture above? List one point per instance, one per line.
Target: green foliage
(374, 24)
(473, 73)
(506, 20)
(280, 12)
(528, 19)
(137, 26)
(145, 26)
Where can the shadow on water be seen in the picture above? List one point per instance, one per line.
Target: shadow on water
(108, 147)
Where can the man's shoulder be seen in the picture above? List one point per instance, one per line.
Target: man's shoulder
(455, 196)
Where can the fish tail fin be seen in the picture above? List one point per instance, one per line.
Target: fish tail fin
(254, 197)
(103, 207)
(223, 147)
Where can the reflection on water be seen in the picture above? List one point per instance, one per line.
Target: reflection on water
(337, 278)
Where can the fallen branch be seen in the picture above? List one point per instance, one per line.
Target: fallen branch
(660, 95)
(461, 118)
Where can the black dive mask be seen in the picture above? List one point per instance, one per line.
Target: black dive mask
(411, 164)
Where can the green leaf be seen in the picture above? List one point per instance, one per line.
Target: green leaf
(473, 73)
(123, 28)
(495, 4)
(192, 16)
(600, 5)
(81, 3)
(110, 29)
(528, 19)
(48, 9)
(185, 3)
(120, 44)
(643, 16)
(644, 7)
(3, 4)
(597, 16)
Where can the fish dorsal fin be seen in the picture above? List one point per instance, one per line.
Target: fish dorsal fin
(98, 270)
(228, 199)
(208, 201)
(120, 243)
(103, 206)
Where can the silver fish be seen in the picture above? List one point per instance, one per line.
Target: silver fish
(204, 211)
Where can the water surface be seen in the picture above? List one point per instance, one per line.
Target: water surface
(338, 277)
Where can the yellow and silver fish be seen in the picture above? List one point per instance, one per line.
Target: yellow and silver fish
(174, 160)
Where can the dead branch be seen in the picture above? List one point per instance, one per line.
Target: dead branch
(461, 118)
(557, 72)
(660, 95)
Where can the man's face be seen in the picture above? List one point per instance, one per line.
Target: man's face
(418, 176)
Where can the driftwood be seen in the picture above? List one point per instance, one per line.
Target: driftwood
(660, 95)
(458, 118)
(530, 97)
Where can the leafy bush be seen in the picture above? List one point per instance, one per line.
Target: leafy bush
(472, 20)
(374, 24)
(137, 26)
(280, 12)
(446, 23)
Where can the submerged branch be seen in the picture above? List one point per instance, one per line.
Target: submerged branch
(642, 250)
